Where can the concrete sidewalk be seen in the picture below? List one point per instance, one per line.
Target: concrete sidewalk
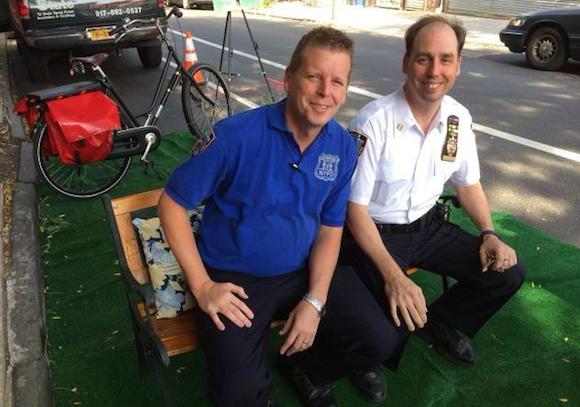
(481, 32)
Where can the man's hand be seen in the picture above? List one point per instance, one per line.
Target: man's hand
(301, 327)
(224, 298)
(406, 297)
(496, 255)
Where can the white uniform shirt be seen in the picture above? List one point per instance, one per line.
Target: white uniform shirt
(400, 174)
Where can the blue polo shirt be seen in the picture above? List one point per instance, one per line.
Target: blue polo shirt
(265, 200)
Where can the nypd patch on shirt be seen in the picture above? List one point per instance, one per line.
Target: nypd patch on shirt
(327, 167)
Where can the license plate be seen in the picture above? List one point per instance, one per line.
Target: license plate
(99, 34)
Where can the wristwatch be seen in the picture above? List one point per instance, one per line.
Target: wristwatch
(316, 303)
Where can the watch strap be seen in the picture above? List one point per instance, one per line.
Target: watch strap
(489, 232)
(316, 303)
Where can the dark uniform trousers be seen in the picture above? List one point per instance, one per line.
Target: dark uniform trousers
(445, 249)
(354, 335)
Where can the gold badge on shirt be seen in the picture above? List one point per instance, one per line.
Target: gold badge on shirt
(450, 146)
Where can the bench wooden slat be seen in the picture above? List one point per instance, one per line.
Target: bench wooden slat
(132, 203)
(131, 248)
(178, 334)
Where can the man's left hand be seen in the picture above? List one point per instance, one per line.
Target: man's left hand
(301, 327)
(496, 255)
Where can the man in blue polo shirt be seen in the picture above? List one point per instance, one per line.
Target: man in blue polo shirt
(275, 181)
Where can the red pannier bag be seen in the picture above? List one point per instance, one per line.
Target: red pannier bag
(30, 114)
(80, 127)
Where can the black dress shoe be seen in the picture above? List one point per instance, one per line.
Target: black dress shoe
(371, 384)
(310, 395)
(449, 342)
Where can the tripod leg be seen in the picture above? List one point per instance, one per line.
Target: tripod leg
(226, 32)
(230, 49)
(255, 45)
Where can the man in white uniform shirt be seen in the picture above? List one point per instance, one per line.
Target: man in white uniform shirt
(417, 139)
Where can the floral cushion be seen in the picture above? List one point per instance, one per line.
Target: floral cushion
(172, 296)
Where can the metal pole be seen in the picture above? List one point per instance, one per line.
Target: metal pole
(333, 15)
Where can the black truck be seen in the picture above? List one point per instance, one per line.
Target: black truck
(45, 28)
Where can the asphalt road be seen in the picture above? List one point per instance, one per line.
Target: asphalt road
(540, 188)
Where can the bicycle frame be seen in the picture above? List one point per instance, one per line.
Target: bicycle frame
(153, 112)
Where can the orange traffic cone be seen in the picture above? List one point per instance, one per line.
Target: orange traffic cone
(191, 58)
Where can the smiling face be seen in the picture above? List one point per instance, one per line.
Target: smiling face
(432, 65)
(316, 90)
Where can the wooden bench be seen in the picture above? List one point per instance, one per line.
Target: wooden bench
(156, 340)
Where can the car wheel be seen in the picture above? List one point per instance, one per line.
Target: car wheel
(185, 4)
(150, 56)
(546, 49)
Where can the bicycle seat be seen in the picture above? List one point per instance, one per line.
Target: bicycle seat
(94, 60)
(62, 91)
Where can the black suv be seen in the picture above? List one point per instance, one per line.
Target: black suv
(47, 27)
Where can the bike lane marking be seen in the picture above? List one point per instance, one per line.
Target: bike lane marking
(536, 145)
(237, 98)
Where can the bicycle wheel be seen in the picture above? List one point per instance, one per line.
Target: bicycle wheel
(76, 181)
(205, 98)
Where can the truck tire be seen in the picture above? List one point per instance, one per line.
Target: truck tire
(36, 62)
(150, 56)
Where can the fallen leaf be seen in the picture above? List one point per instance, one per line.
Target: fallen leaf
(565, 360)
(563, 399)
(74, 389)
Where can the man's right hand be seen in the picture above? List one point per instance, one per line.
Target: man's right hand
(226, 299)
(406, 298)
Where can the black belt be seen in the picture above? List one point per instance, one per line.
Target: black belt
(415, 226)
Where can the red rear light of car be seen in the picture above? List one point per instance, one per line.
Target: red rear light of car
(161, 3)
(23, 9)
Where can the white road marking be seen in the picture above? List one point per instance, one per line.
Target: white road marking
(569, 155)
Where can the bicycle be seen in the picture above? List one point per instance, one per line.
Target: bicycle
(205, 100)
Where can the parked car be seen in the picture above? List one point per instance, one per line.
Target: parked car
(191, 3)
(4, 17)
(548, 38)
(45, 28)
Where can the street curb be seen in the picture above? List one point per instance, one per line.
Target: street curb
(26, 326)
(27, 372)
(27, 170)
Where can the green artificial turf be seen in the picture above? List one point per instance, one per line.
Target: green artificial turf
(529, 353)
